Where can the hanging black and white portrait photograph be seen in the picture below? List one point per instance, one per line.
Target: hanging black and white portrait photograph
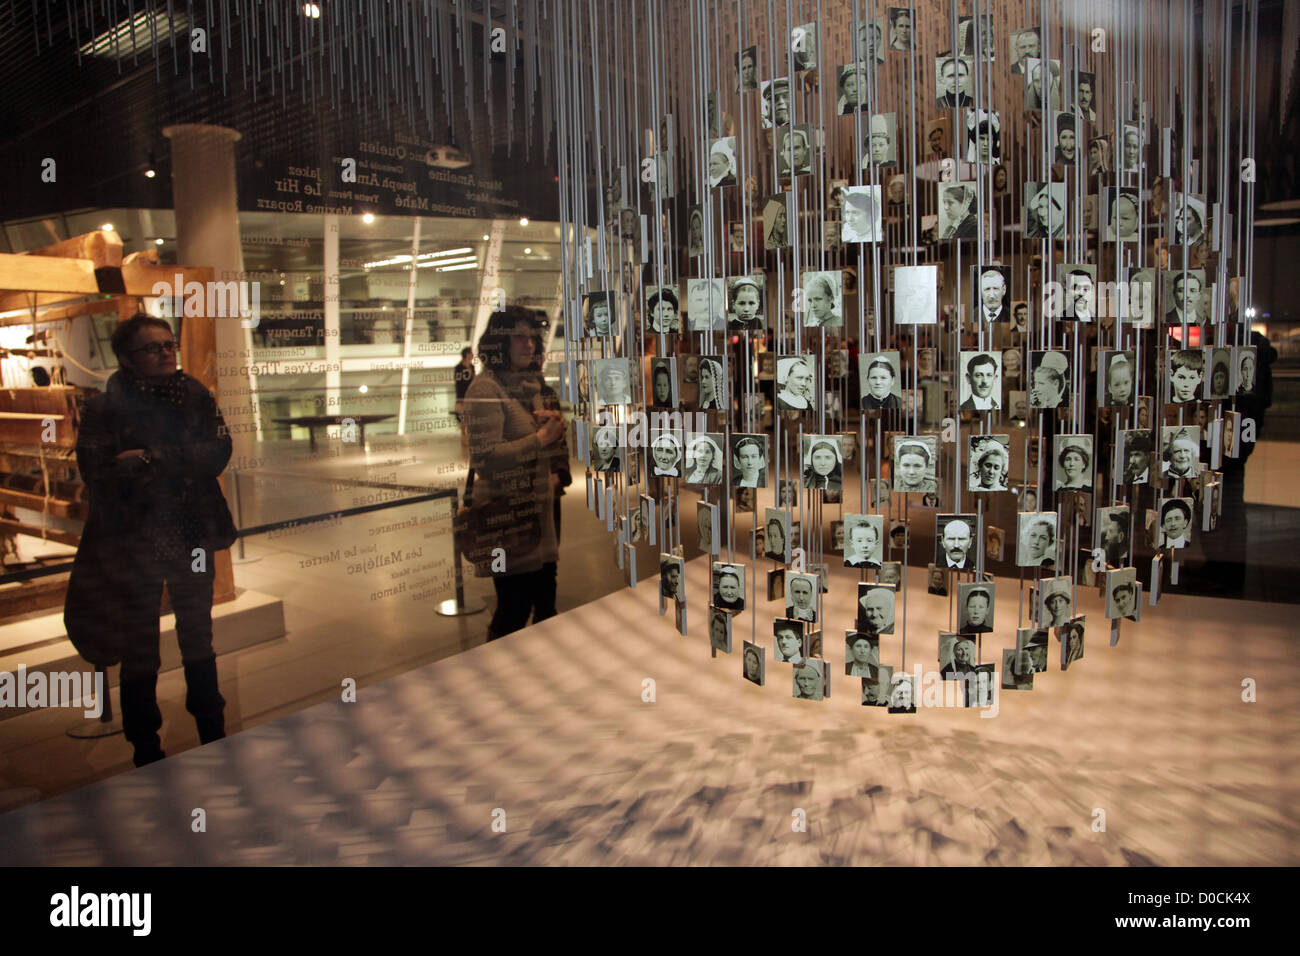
(736, 232)
(983, 137)
(1085, 96)
(1035, 539)
(952, 76)
(1017, 402)
(1049, 379)
(745, 303)
(899, 28)
(809, 680)
(695, 231)
(803, 47)
(864, 540)
(1134, 456)
(1017, 673)
(801, 596)
(916, 295)
(915, 463)
(1218, 383)
(1176, 522)
(989, 458)
(1131, 153)
(789, 494)
(902, 695)
(861, 655)
(1180, 451)
(612, 382)
(879, 381)
(876, 609)
(1065, 131)
(776, 541)
(597, 315)
(1190, 220)
(704, 460)
(795, 383)
(1055, 599)
(1079, 282)
(936, 580)
(896, 194)
(606, 450)
(957, 219)
(1122, 213)
(748, 460)
(1044, 212)
(981, 381)
(823, 462)
(1183, 294)
(1098, 156)
(837, 367)
(1023, 45)
(663, 383)
(729, 586)
(706, 305)
(1122, 594)
(776, 102)
(663, 309)
(1033, 642)
(795, 149)
(672, 577)
(881, 147)
(871, 41)
(975, 607)
(1070, 636)
(851, 88)
(666, 454)
(1186, 373)
(977, 39)
(753, 663)
(1113, 531)
(1019, 316)
(990, 294)
(775, 234)
(823, 299)
(861, 217)
(1073, 465)
(875, 691)
(1043, 85)
(722, 162)
(1115, 374)
(707, 531)
(955, 540)
(720, 630)
(1245, 359)
(791, 641)
(711, 380)
(747, 70)
(956, 656)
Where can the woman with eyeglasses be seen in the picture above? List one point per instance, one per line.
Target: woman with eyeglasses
(150, 448)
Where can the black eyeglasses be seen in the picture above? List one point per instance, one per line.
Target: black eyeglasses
(156, 348)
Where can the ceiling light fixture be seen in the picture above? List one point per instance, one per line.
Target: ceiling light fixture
(468, 265)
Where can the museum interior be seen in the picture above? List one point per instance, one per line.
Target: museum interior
(505, 407)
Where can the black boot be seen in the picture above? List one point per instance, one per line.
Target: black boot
(204, 700)
(141, 717)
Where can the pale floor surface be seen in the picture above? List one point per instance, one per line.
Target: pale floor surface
(1141, 753)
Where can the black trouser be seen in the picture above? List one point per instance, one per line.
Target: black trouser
(191, 599)
(519, 595)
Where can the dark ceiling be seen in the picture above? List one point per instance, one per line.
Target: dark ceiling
(300, 90)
